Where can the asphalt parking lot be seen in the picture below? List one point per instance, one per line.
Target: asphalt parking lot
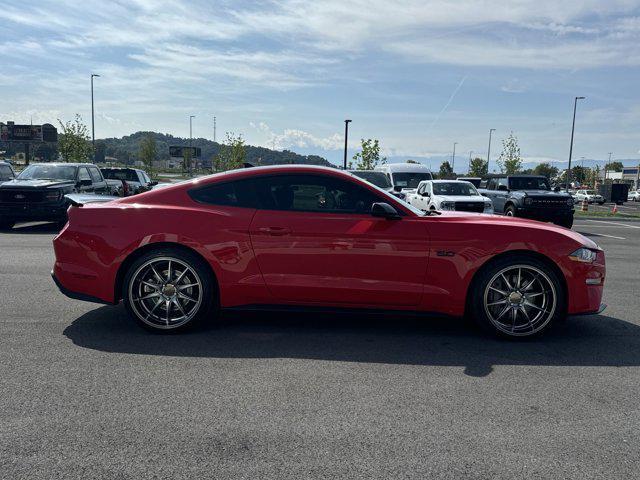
(87, 394)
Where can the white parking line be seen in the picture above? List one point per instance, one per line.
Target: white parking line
(605, 235)
(612, 223)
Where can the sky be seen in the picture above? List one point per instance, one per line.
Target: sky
(417, 75)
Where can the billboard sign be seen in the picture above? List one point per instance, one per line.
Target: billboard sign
(178, 151)
(11, 132)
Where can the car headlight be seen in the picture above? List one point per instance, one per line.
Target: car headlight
(584, 255)
(447, 206)
(52, 195)
(528, 201)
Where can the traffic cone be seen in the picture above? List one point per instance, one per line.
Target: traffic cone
(585, 205)
(615, 209)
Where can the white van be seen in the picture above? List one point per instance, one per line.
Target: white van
(405, 177)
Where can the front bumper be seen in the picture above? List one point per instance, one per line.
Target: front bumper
(33, 212)
(544, 214)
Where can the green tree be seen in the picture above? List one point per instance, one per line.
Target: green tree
(445, 170)
(510, 161)
(148, 151)
(477, 167)
(545, 169)
(369, 157)
(579, 174)
(615, 167)
(74, 142)
(232, 153)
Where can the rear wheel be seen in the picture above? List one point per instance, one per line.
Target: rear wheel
(168, 290)
(517, 297)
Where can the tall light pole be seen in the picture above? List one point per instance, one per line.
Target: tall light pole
(453, 158)
(491, 130)
(346, 136)
(191, 117)
(470, 155)
(606, 166)
(573, 127)
(93, 123)
(214, 129)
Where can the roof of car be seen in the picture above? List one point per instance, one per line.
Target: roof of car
(446, 181)
(403, 167)
(119, 168)
(503, 175)
(65, 164)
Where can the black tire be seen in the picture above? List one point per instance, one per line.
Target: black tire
(510, 211)
(480, 310)
(6, 224)
(205, 311)
(565, 222)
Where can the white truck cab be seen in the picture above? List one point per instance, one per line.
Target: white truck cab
(449, 195)
(405, 177)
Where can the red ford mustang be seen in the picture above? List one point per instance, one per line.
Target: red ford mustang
(319, 237)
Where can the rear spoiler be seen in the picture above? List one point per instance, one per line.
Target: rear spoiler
(80, 199)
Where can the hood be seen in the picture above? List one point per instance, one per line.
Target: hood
(550, 193)
(462, 198)
(37, 183)
(497, 220)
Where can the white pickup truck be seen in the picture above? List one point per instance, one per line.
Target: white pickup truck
(449, 195)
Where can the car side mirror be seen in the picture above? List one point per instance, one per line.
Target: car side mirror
(426, 194)
(384, 210)
(397, 188)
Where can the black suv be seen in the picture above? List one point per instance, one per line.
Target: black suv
(136, 180)
(37, 194)
(528, 196)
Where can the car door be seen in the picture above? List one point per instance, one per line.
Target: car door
(84, 180)
(315, 241)
(422, 200)
(99, 183)
(501, 194)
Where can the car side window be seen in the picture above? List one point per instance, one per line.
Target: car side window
(313, 193)
(491, 185)
(421, 189)
(5, 173)
(503, 182)
(95, 174)
(239, 193)
(83, 174)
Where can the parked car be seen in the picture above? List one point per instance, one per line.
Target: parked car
(405, 177)
(475, 181)
(379, 179)
(449, 195)
(127, 181)
(6, 172)
(528, 196)
(38, 192)
(313, 236)
(633, 196)
(591, 196)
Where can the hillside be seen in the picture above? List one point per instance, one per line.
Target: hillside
(125, 149)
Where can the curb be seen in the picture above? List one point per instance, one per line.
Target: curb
(607, 219)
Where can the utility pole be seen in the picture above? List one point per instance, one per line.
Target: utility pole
(93, 126)
(191, 117)
(346, 136)
(214, 129)
(470, 154)
(453, 158)
(573, 127)
(606, 166)
(491, 130)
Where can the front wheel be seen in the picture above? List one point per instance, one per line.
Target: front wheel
(517, 297)
(510, 211)
(168, 290)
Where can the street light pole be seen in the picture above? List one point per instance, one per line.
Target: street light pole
(573, 127)
(470, 155)
(93, 126)
(214, 129)
(453, 158)
(491, 130)
(346, 136)
(606, 166)
(191, 117)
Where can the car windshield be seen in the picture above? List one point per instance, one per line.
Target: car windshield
(410, 179)
(529, 183)
(48, 172)
(454, 188)
(120, 174)
(379, 179)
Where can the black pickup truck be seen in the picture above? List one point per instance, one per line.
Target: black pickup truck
(528, 196)
(38, 193)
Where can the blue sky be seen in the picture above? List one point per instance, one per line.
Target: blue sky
(418, 75)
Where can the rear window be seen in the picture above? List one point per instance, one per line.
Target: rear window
(120, 174)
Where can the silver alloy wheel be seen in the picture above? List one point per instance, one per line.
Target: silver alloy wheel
(520, 300)
(509, 213)
(165, 293)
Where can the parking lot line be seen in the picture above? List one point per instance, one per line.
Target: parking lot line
(605, 235)
(612, 223)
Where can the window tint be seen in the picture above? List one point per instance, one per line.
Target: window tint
(313, 193)
(240, 193)
(503, 181)
(492, 184)
(83, 174)
(95, 174)
(5, 173)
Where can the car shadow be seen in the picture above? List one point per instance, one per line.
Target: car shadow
(580, 341)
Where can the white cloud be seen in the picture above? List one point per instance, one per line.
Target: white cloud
(295, 138)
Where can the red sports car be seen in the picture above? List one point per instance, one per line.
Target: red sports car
(319, 237)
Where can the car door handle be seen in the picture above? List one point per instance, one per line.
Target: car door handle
(275, 231)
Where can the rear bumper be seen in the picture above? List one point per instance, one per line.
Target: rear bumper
(76, 295)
